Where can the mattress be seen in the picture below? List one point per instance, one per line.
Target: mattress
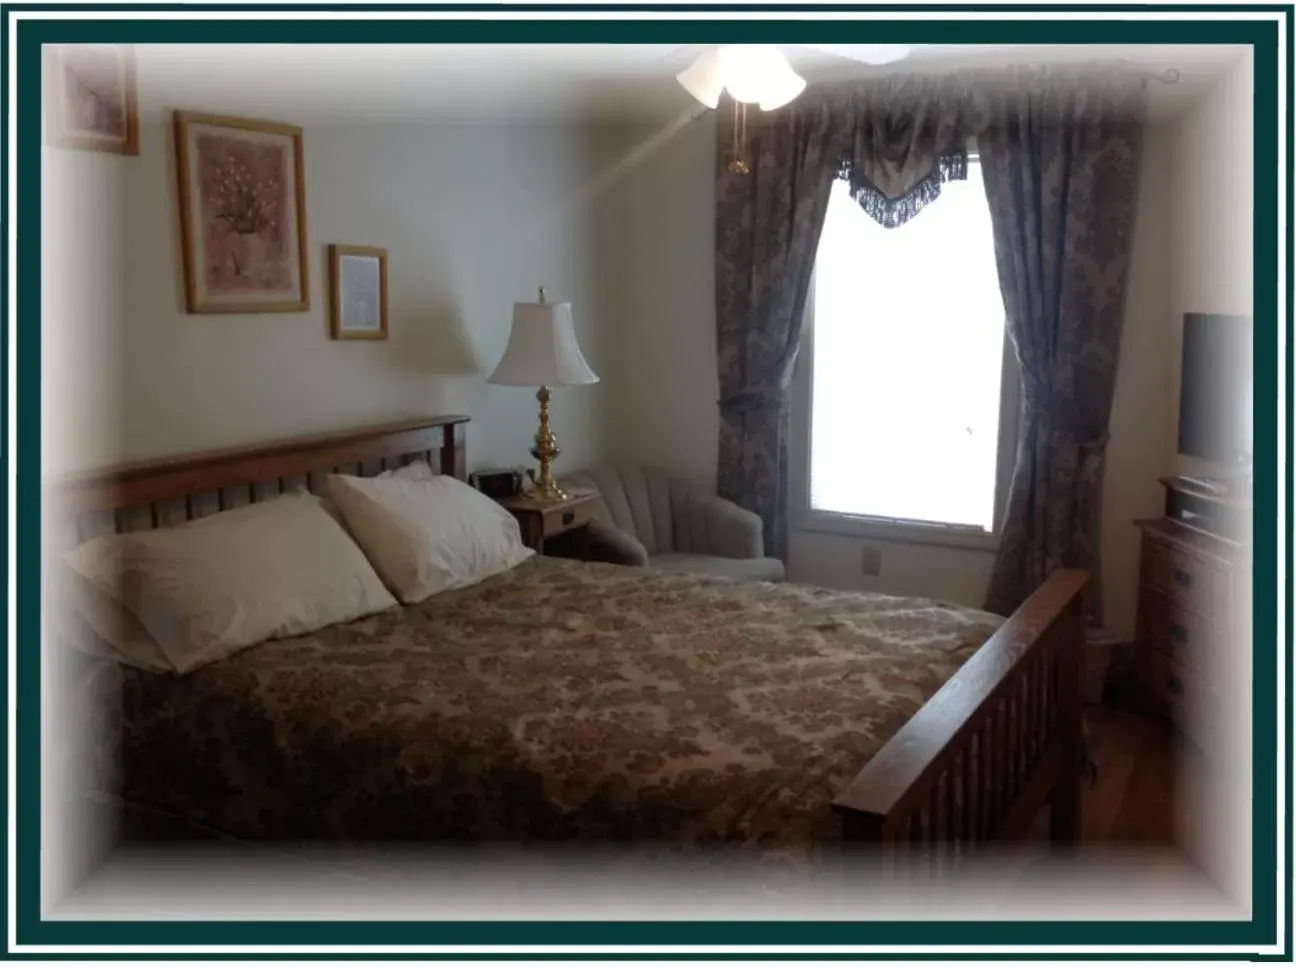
(559, 701)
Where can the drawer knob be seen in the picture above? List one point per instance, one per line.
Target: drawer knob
(1183, 578)
(1175, 685)
(1178, 633)
(568, 517)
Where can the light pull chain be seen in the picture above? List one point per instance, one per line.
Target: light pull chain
(738, 165)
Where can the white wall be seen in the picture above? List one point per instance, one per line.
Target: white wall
(1192, 253)
(1142, 406)
(662, 361)
(474, 216)
(1210, 188)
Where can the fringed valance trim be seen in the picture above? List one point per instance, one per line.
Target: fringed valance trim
(893, 212)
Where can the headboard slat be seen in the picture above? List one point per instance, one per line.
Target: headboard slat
(205, 504)
(152, 493)
(172, 513)
(144, 483)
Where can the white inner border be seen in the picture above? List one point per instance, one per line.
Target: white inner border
(1278, 17)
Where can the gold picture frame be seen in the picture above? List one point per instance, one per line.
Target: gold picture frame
(242, 198)
(92, 96)
(357, 292)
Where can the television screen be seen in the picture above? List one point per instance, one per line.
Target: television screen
(1215, 389)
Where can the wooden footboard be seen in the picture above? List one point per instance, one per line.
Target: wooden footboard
(998, 742)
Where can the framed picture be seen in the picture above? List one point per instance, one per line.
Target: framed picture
(91, 98)
(242, 214)
(358, 292)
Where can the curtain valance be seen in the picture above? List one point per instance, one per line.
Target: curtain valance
(901, 140)
(896, 141)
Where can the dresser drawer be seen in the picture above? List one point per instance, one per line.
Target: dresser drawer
(1187, 698)
(1189, 579)
(1167, 625)
(1162, 682)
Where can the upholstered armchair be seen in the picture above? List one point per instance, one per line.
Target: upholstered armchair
(645, 518)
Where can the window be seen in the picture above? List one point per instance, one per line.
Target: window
(907, 366)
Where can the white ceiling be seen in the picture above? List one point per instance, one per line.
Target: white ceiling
(631, 82)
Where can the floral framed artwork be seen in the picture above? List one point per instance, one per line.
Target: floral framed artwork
(92, 98)
(357, 292)
(242, 214)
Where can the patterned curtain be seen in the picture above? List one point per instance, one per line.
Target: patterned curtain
(896, 143)
(1060, 160)
(768, 221)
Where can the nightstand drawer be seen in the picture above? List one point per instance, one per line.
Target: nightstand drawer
(1191, 580)
(565, 517)
(548, 519)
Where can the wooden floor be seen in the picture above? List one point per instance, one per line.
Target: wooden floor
(1138, 793)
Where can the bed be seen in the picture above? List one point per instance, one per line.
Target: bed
(570, 701)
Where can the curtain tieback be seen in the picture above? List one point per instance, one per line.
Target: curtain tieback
(746, 401)
(1063, 419)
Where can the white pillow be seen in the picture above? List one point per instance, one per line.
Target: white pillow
(429, 536)
(210, 588)
(419, 470)
(93, 621)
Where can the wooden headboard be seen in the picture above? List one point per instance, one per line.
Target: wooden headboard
(173, 490)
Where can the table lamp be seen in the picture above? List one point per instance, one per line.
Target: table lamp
(542, 352)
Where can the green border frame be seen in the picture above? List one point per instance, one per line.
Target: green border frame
(1263, 37)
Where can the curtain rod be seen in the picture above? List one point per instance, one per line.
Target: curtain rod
(1170, 75)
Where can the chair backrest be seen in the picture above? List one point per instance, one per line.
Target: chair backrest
(634, 499)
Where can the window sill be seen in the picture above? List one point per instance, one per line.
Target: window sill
(861, 526)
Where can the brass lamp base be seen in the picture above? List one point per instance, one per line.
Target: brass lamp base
(547, 496)
(544, 451)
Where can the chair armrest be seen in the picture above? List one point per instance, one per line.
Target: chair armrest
(599, 542)
(731, 531)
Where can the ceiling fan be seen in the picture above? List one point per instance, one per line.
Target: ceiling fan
(760, 73)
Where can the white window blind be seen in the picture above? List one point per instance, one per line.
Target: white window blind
(908, 343)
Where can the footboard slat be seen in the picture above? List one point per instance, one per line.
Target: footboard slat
(998, 741)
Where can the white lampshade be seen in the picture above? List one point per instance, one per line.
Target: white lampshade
(542, 350)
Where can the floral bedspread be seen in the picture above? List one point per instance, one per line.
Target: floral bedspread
(558, 701)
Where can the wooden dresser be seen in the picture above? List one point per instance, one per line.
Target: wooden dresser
(1191, 609)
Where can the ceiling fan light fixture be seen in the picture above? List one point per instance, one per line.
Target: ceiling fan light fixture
(703, 79)
(781, 89)
(745, 67)
(751, 73)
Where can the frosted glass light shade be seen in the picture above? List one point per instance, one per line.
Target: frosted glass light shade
(703, 79)
(542, 350)
(781, 87)
(751, 73)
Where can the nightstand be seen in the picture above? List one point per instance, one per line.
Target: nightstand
(547, 519)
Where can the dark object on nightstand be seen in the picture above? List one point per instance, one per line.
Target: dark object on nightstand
(540, 520)
(497, 484)
(1191, 627)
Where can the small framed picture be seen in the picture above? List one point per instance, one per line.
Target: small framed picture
(92, 99)
(358, 292)
(242, 214)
